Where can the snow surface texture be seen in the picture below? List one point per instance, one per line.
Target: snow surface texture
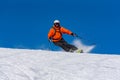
(21, 64)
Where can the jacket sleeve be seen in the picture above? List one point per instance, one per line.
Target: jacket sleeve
(50, 33)
(65, 31)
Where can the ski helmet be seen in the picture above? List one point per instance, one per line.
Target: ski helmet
(56, 21)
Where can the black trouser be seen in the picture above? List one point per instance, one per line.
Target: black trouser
(64, 45)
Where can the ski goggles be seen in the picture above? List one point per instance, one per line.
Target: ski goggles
(56, 23)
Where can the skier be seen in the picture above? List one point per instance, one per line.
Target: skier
(55, 36)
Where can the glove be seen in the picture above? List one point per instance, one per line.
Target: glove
(50, 40)
(75, 35)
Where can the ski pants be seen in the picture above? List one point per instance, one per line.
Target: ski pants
(64, 45)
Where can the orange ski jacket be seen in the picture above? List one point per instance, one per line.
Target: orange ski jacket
(55, 33)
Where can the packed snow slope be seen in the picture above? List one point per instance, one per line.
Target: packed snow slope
(21, 64)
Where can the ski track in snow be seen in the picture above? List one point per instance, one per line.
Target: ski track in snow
(20, 64)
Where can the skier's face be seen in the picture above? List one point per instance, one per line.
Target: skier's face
(57, 24)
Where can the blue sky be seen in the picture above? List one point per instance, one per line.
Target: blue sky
(25, 23)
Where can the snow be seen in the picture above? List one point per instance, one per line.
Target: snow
(23, 64)
(78, 43)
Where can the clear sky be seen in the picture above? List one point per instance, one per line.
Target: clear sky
(25, 23)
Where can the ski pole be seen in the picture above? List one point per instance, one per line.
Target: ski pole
(79, 37)
(50, 44)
